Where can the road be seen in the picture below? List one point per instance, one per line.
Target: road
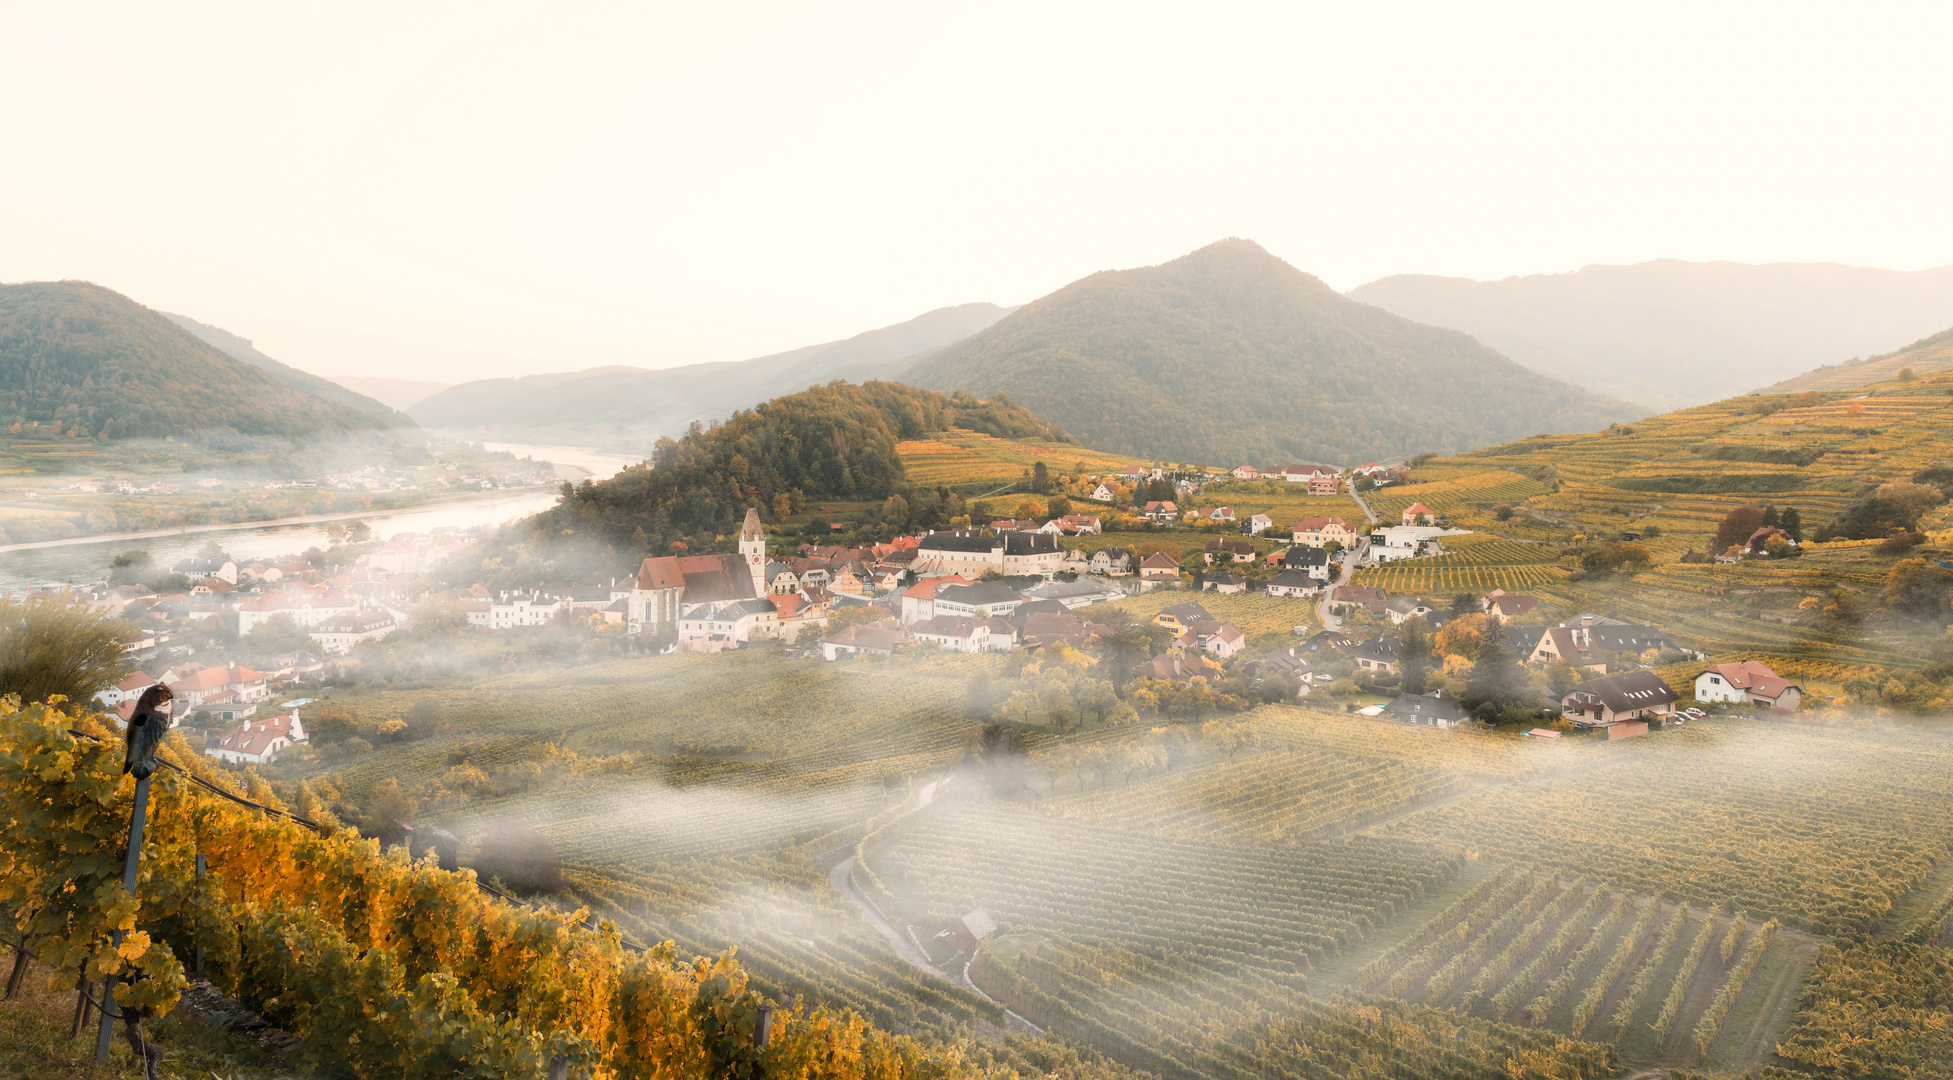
(1346, 566)
(841, 877)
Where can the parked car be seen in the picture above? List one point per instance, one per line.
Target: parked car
(1694, 713)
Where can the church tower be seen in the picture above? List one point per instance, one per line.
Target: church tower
(752, 550)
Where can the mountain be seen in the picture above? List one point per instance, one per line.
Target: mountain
(630, 407)
(393, 393)
(1675, 333)
(242, 349)
(74, 352)
(1230, 355)
(1925, 355)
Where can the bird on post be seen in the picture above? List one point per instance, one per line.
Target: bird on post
(147, 725)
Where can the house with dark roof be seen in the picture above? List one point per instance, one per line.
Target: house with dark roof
(1223, 582)
(1111, 561)
(728, 624)
(984, 598)
(1748, 682)
(1293, 583)
(1312, 561)
(1399, 608)
(1180, 616)
(1222, 550)
(1222, 639)
(1630, 697)
(1379, 654)
(1435, 709)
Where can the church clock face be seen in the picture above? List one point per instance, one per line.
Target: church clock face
(756, 560)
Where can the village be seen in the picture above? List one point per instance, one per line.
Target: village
(996, 588)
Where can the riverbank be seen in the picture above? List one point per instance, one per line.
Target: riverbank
(270, 523)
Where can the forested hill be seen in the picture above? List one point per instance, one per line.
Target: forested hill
(103, 365)
(1230, 355)
(829, 442)
(242, 349)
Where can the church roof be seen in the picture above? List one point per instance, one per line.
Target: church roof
(705, 578)
(752, 530)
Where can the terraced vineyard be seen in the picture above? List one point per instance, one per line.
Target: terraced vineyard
(1418, 577)
(1272, 798)
(1183, 958)
(1465, 492)
(971, 459)
(1818, 828)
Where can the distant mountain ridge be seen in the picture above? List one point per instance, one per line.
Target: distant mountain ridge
(242, 349)
(629, 408)
(1675, 333)
(94, 360)
(393, 393)
(1229, 355)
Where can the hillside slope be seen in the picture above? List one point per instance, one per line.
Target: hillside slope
(1926, 355)
(242, 349)
(80, 354)
(1230, 355)
(629, 407)
(1673, 333)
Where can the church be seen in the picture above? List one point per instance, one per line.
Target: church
(670, 587)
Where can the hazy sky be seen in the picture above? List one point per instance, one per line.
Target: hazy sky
(476, 190)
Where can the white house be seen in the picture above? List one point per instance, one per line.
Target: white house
(1260, 523)
(728, 624)
(1395, 542)
(257, 742)
(1748, 682)
(966, 634)
(340, 633)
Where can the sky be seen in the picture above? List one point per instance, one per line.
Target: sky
(450, 192)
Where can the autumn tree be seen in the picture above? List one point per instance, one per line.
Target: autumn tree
(1737, 527)
(1463, 635)
(49, 646)
(1918, 588)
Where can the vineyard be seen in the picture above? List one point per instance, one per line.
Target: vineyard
(971, 459)
(1592, 963)
(1184, 958)
(1256, 614)
(1277, 798)
(1821, 829)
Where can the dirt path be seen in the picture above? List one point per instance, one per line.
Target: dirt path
(1757, 1046)
(841, 876)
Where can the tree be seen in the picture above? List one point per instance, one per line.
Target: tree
(1498, 684)
(1502, 512)
(129, 567)
(1769, 516)
(1040, 478)
(275, 635)
(1918, 588)
(1463, 635)
(1736, 528)
(1616, 556)
(1464, 604)
(1561, 677)
(1413, 654)
(1792, 523)
(359, 532)
(438, 616)
(1913, 499)
(49, 646)
(1127, 643)
(1058, 506)
(331, 724)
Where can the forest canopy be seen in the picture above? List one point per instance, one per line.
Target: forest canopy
(829, 442)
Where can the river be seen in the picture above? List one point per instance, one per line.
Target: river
(86, 558)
